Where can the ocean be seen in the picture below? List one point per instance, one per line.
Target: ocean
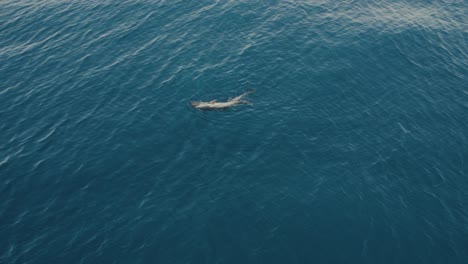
(354, 149)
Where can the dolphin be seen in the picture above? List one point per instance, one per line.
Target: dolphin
(215, 105)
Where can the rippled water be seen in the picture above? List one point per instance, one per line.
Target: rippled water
(354, 151)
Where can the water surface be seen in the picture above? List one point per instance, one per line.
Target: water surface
(355, 150)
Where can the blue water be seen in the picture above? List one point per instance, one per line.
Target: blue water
(355, 149)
